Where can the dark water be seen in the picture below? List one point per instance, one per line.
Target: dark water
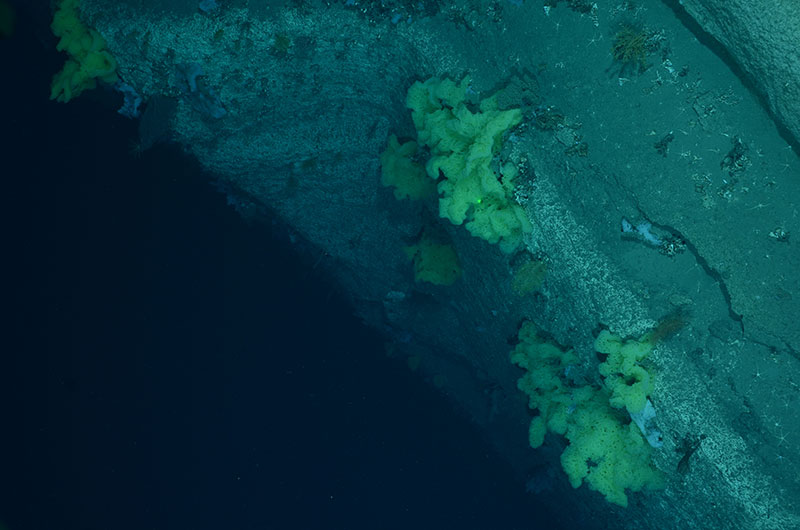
(166, 365)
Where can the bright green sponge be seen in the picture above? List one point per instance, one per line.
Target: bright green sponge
(606, 449)
(435, 261)
(474, 188)
(463, 145)
(628, 381)
(403, 173)
(88, 59)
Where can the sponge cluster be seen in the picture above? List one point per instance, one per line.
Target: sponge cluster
(88, 59)
(628, 381)
(463, 145)
(606, 450)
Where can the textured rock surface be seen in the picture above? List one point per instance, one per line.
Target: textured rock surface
(763, 38)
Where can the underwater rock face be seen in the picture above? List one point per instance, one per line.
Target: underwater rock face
(761, 37)
(311, 96)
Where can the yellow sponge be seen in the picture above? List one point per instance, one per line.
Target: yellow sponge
(88, 59)
(399, 170)
(606, 450)
(463, 146)
(628, 381)
(434, 261)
